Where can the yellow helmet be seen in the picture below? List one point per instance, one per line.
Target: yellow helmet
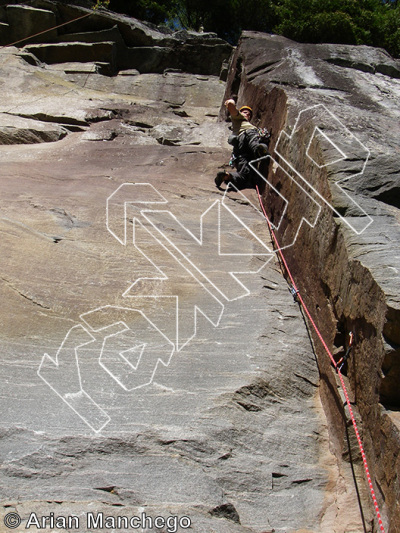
(245, 107)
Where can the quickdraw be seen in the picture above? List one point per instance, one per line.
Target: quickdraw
(342, 360)
(343, 385)
(294, 292)
(264, 134)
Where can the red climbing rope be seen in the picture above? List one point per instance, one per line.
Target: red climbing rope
(353, 420)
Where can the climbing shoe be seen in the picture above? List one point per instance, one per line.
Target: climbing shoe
(262, 150)
(221, 178)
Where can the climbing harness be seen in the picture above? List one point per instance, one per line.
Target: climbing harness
(335, 364)
(264, 137)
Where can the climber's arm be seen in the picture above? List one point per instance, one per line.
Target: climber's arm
(231, 107)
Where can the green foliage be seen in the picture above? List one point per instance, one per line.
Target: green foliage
(227, 18)
(334, 27)
(194, 14)
(372, 22)
(101, 3)
(391, 32)
(153, 11)
(255, 15)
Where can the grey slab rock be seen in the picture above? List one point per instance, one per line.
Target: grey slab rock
(18, 130)
(228, 429)
(182, 93)
(74, 51)
(112, 34)
(136, 45)
(26, 21)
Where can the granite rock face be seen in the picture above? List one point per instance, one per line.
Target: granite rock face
(332, 192)
(153, 361)
(79, 42)
(228, 429)
(85, 35)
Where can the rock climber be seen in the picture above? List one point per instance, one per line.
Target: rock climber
(247, 146)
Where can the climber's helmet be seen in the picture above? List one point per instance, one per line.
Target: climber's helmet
(246, 111)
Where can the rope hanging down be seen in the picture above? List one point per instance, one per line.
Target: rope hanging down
(300, 300)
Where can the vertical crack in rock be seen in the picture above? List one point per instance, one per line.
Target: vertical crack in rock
(229, 430)
(339, 273)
